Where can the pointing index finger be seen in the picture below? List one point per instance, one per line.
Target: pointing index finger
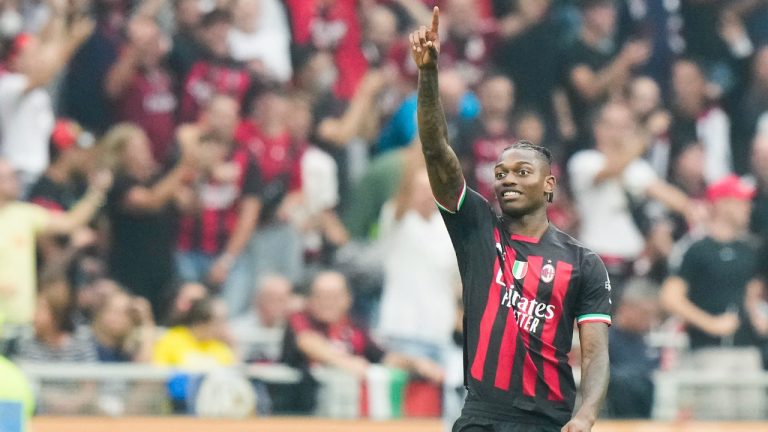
(435, 19)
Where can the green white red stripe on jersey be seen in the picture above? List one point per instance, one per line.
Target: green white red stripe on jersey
(594, 318)
(460, 201)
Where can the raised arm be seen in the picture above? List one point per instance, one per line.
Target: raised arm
(444, 168)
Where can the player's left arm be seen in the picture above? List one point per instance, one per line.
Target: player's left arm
(594, 375)
(593, 308)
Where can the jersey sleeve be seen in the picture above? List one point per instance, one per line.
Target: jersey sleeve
(594, 300)
(473, 214)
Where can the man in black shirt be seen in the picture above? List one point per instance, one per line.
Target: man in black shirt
(525, 282)
(713, 291)
(594, 67)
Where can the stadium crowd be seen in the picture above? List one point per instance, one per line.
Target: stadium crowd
(178, 176)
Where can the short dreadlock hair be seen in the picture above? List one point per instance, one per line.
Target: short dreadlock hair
(541, 151)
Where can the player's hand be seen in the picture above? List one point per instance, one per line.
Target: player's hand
(577, 425)
(723, 325)
(425, 43)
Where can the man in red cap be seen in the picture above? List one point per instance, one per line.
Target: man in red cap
(712, 290)
(59, 188)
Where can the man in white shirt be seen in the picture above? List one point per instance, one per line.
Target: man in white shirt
(26, 112)
(261, 38)
(259, 332)
(421, 276)
(606, 183)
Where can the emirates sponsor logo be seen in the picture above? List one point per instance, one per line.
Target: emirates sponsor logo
(528, 313)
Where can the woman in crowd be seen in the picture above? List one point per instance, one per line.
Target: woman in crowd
(143, 209)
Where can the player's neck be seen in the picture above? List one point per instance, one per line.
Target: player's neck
(531, 225)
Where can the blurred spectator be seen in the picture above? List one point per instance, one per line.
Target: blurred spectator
(755, 102)
(226, 205)
(187, 47)
(708, 291)
(20, 225)
(594, 67)
(215, 72)
(261, 38)
(85, 77)
(59, 187)
(759, 219)
(93, 294)
(687, 173)
(631, 390)
(276, 247)
(530, 31)
(421, 277)
(480, 141)
(332, 26)
(200, 341)
(62, 184)
(458, 102)
(660, 24)
(324, 335)
(55, 338)
(377, 186)
(380, 35)
(644, 99)
(469, 41)
(313, 212)
(26, 112)
(696, 118)
(609, 184)
(259, 332)
(141, 88)
(124, 329)
(345, 129)
(187, 293)
(143, 208)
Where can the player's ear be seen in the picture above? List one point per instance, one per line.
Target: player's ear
(549, 187)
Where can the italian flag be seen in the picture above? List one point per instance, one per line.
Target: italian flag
(519, 269)
(382, 393)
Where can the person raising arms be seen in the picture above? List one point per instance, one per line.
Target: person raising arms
(525, 282)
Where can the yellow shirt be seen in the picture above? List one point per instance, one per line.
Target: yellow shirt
(179, 347)
(19, 225)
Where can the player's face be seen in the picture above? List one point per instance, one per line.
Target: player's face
(522, 182)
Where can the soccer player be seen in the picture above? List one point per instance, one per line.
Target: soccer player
(525, 282)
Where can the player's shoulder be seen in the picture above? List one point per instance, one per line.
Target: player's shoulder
(574, 246)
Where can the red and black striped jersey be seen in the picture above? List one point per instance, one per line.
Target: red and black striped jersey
(521, 298)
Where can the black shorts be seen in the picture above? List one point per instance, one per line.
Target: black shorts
(479, 424)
